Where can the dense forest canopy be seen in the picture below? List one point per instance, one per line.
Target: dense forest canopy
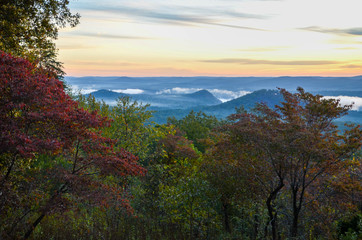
(72, 167)
(52, 151)
(76, 168)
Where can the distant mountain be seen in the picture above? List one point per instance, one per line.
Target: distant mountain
(163, 93)
(223, 110)
(154, 84)
(352, 116)
(339, 93)
(203, 96)
(162, 101)
(105, 94)
(269, 97)
(310, 83)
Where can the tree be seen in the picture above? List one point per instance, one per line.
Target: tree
(291, 146)
(49, 145)
(28, 29)
(197, 127)
(223, 172)
(335, 197)
(131, 126)
(176, 147)
(184, 194)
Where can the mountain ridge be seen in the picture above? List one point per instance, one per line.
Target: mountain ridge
(166, 101)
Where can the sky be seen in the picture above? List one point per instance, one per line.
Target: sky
(213, 38)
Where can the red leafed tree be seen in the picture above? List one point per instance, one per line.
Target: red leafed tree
(40, 125)
(176, 147)
(290, 148)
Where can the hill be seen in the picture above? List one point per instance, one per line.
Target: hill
(162, 101)
(223, 110)
(105, 94)
(269, 97)
(154, 84)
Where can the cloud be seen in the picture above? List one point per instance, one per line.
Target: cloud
(76, 90)
(178, 90)
(339, 31)
(110, 36)
(227, 95)
(74, 46)
(100, 63)
(354, 31)
(222, 94)
(177, 15)
(352, 66)
(345, 41)
(261, 49)
(241, 15)
(271, 62)
(129, 91)
(347, 48)
(235, 26)
(166, 71)
(347, 100)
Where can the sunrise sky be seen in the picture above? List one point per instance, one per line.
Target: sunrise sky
(214, 38)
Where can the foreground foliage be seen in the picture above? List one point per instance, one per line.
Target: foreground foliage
(53, 156)
(72, 169)
(28, 29)
(291, 152)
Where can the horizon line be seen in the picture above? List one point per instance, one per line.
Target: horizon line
(205, 76)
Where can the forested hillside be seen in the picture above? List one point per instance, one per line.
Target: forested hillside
(72, 167)
(162, 102)
(223, 110)
(311, 84)
(79, 169)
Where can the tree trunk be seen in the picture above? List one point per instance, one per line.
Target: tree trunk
(225, 209)
(256, 225)
(3, 180)
(33, 226)
(296, 210)
(191, 221)
(271, 211)
(272, 218)
(294, 231)
(45, 211)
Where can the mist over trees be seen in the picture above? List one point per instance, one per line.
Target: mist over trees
(72, 167)
(78, 169)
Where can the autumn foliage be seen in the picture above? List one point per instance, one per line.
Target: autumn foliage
(41, 126)
(289, 149)
(68, 168)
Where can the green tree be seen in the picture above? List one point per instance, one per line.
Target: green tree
(28, 29)
(92, 104)
(184, 194)
(131, 126)
(187, 201)
(197, 126)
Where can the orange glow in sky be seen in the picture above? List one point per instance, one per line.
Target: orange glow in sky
(214, 38)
